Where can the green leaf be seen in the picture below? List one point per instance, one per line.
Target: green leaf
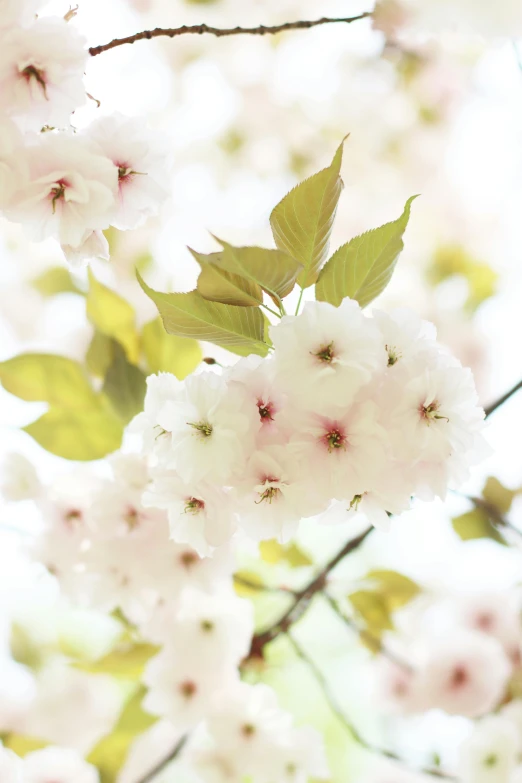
(273, 552)
(127, 661)
(56, 280)
(497, 495)
(83, 435)
(396, 589)
(168, 353)
(247, 584)
(110, 754)
(100, 354)
(373, 609)
(302, 222)
(125, 386)
(41, 377)
(476, 524)
(363, 267)
(218, 285)
(113, 316)
(239, 329)
(22, 744)
(274, 271)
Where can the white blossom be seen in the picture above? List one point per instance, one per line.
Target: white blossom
(58, 764)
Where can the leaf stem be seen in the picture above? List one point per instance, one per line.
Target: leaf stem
(299, 302)
(274, 312)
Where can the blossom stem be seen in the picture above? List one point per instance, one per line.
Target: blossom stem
(165, 762)
(350, 728)
(304, 596)
(366, 635)
(501, 400)
(200, 29)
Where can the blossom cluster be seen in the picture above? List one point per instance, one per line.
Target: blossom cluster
(55, 181)
(60, 764)
(108, 552)
(349, 414)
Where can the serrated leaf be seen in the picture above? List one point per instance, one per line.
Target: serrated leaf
(372, 608)
(302, 222)
(218, 285)
(272, 270)
(110, 753)
(396, 589)
(476, 524)
(82, 435)
(363, 267)
(56, 280)
(239, 329)
(497, 495)
(113, 316)
(41, 377)
(126, 661)
(100, 354)
(22, 744)
(168, 353)
(125, 386)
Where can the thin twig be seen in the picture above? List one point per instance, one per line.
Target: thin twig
(200, 29)
(165, 762)
(365, 634)
(350, 728)
(303, 597)
(505, 397)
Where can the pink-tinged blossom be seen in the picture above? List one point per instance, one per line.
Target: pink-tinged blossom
(326, 354)
(15, 12)
(201, 514)
(255, 377)
(58, 764)
(41, 73)
(451, 677)
(95, 246)
(20, 480)
(156, 442)
(140, 157)
(496, 614)
(13, 167)
(70, 193)
(11, 770)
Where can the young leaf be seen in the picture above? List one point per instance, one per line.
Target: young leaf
(476, 524)
(113, 316)
(110, 753)
(168, 353)
(218, 285)
(239, 329)
(125, 386)
(302, 222)
(396, 589)
(363, 267)
(41, 377)
(372, 608)
(497, 495)
(56, 280)
(273, 552)
(84, 435)
(274, 271)
(21, 744)
(126, 661)
(100, 354)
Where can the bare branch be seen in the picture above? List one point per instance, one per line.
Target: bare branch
(303, 597)
(201, 29)
(350, 728)
(505, 397)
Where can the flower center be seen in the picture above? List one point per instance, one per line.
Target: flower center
(431, 413)
(354, 505)
(325, 354)
(188, 689)
(207, 626)
(194, 506)
(491, 760)
(188, 559)
(203, 428)
(266, 409)
(459, 677)
(32, 72)
(393, 355)
(73, 517)
(57, 192)
(132, 518)
(334, 439)
(248, 729)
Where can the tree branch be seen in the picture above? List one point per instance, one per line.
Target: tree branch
(505, 397)
(200, 29)
(303, 597)
(354, 733)
(165, 762)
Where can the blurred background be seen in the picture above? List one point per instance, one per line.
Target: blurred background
(247, 118)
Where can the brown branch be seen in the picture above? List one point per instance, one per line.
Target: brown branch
(354, 733)
(303, 597)
(165, 762)
(505, 397)
(200, 29)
